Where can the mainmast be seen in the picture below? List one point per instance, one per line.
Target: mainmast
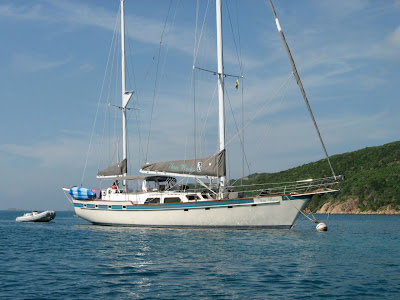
(221, 106)
(126, 96)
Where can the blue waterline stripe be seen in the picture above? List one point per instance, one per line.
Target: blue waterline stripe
(190, 205)
(289, 197)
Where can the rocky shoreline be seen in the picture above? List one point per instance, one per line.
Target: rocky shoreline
(351, 207)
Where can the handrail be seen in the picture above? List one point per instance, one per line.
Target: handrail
(286, 188)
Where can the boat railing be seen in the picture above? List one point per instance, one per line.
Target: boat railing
(283, 188)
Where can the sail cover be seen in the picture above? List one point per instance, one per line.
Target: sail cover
(208, 166)
(115, 170)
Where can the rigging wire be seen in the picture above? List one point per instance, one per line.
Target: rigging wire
(236, 125)
(156, 80)
(196, 45)
(137, 111)
(299, 83)
(193, 83)
(98, 104)
(242, 87)
(114, 139)
(260, 110)
(273, 119)
(240, 62)
(203, 131)
(201, 33)
(136, 99)
(108, 111)
(238, 55)
(138, 92)
(234, 40)
(171, 27)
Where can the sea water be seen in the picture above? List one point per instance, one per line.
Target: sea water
(68, 258)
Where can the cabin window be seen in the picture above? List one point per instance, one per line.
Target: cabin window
(172, 200)
(152, 200)
(192, 197)
(183, 187)
(205, 195)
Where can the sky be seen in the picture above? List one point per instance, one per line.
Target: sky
(56, 57)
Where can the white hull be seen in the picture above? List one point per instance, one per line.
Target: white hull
(45, 216)
(267, 212)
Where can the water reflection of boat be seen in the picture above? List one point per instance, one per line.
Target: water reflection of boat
(34, 216)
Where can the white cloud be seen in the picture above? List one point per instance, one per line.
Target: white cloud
(86, 67)
(394, 38)
(146, 30)
(51, 154)
(34, 12)
(25, 62)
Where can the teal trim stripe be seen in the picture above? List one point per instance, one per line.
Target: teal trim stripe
(185, 205)
(190, 205)
(289, 197)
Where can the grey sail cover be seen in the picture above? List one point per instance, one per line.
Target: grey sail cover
(208, 166)
(115, 170)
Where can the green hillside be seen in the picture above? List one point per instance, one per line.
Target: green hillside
(372, 175)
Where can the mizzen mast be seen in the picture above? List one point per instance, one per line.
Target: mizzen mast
(126, 96)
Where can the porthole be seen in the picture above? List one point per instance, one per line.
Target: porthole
(172, 200)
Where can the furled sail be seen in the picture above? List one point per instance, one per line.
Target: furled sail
(115, 170)
(213, 166)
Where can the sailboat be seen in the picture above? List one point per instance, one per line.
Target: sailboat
(160, 201)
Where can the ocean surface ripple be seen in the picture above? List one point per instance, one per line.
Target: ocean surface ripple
(68, 258)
